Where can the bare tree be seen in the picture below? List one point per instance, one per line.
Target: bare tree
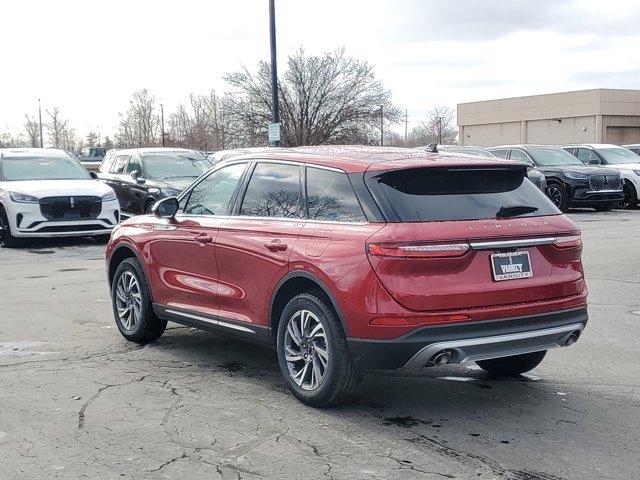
(92, 139)
(140, 124)
(56, 127)
(207, 123)
(439, 127)
(7, 139)
(323, 99)
(32, 128)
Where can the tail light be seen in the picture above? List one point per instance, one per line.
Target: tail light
(418, 250)
(573, 241)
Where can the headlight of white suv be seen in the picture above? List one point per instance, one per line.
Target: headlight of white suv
(109, 197)
(23, 198)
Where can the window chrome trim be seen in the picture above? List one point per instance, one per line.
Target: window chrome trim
(280, 219)
(211, 321)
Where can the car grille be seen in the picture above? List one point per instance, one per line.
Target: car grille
(70, 208)
(605, 182)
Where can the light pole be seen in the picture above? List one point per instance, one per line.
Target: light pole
(381, 126)
(162, 122)
(40, 120)
(439, 130)
(274, 68)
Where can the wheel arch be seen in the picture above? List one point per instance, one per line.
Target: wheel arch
(120, 253)
(292, 284)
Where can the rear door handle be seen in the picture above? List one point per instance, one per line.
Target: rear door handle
(203, 239)
(276, 246)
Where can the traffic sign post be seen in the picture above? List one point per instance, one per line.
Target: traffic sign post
(274, 133)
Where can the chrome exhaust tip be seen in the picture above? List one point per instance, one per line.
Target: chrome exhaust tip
(571, 338)
(441, 358)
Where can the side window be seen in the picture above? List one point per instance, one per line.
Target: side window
(273, 191)
(119, 164)
(212, 195)
(520, 156)
(330, 196)
(105, 166)
(586, 155)
(500, 153)
(134, 164)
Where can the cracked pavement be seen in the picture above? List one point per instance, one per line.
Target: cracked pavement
(78, 401)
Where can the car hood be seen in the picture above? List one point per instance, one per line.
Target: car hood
(586, 169)
(180, 183)
(626, 166)
(56, 188)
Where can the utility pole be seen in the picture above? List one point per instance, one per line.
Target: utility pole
(274, 71)
(381, 126)
(162, 122)
(40, 120)
(406, 124)
(439, 130)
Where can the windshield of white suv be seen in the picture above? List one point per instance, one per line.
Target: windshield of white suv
(618, 156)
(174, 166)
(42, 168)
(552, 157)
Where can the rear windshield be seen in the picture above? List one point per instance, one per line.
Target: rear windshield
(441, 194)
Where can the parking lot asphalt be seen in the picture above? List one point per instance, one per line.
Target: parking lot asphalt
(78, 401)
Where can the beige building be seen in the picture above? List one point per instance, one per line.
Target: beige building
(586, 116)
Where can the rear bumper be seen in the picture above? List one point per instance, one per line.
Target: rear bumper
(470, 341)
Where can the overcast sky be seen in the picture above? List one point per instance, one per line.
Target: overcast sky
(88, 56)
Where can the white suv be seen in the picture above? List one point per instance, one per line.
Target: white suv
(613, 156)
(47, 193)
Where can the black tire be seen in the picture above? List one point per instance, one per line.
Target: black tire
(341, 377)
(630, 196)
(604, 207)
(512, 366)
(558, 195)
(7, 240)
(148, 327)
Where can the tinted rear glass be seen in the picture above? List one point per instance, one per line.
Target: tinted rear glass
(440, 194)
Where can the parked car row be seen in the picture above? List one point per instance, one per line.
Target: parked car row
(591, 175)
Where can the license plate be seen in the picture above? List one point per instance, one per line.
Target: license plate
(512, 265)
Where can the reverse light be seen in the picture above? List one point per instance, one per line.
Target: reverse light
(418, 320)
(573, 241)
(418, 250)
(23, 198)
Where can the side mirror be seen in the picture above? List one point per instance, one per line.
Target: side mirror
(93, 175)
(166, 208)
(135, 176)
(594, 161)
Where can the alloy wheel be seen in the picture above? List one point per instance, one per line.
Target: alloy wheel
(306, 351)
(128, 300)
(555, 195)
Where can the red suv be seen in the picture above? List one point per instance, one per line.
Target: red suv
(348, 259)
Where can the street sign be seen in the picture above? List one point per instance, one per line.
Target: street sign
(274, 132)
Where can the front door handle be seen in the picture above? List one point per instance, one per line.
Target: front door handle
(203, 239)
(276, 246)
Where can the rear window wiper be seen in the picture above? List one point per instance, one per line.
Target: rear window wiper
(514, 211)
